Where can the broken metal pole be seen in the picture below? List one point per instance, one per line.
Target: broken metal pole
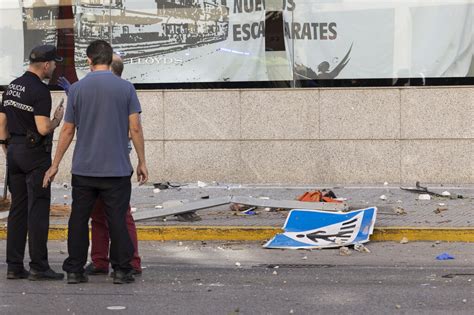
(210, 203)
(289, 204)
(187, 207)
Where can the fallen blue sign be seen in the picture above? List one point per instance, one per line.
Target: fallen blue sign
(319, 229)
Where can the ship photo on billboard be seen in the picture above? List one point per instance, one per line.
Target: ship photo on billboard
(159, 40)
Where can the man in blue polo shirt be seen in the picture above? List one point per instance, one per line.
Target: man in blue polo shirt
(103, 108)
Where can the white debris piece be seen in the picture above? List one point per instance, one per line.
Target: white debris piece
(304, 257)
(424, 197)
(133, 210)
(65, 196)
(361, 248)
(201, 184)
(404, 240)
(275, 272)
(158, 207)
(383, 197)
(156, 190)
(441, 204)
(385, 184)
(238, 264)
(446, 193)
(180, 243)
(344, 251)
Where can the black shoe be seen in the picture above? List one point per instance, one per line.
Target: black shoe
(91, 270)
(73, 278)
(121, 277)
(135, 272)
(45, 275)
(13, 275)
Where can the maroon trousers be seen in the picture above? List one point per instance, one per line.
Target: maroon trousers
(101, 238)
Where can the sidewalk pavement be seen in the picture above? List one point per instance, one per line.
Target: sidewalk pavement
(422, 221)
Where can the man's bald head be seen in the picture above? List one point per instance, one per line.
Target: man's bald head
(117, 65)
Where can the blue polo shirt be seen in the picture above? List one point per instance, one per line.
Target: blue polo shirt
(99, 106)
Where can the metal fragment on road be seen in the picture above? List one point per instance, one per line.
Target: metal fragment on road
(181, 207)
(187, 207)
(116, 308)
(289, 204)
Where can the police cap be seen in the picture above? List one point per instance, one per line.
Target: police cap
(44, 53)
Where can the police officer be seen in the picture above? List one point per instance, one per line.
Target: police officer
(26, 127)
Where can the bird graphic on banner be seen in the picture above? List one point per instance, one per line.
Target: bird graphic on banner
(306, 73)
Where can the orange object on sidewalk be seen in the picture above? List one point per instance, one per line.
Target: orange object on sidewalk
(318, 196)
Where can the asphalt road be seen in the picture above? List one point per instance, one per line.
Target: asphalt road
(243, 278)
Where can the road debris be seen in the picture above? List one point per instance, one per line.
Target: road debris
(319, 196)
(188, 217)
(250, 211)
(133, 210)
(174, 207)
(201, 184)
(116, 308)
(361, 248)
(399, 211)
(424, 197)
(440, 209)
(383, 197)
(424, 190)
(238, 264)
(166, 185)
(308, 229)
(344, 251)
(444, 256)
(404, 240)
(156, 190)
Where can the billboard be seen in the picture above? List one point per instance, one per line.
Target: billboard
(193, 41)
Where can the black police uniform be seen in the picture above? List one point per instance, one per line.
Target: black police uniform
(25, 98)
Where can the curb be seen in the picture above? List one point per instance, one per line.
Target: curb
(262, 233)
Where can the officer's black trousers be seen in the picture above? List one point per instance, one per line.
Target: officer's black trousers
(115, 193)
(29, 212)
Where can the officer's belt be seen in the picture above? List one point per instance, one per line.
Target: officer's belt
(16, 139)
